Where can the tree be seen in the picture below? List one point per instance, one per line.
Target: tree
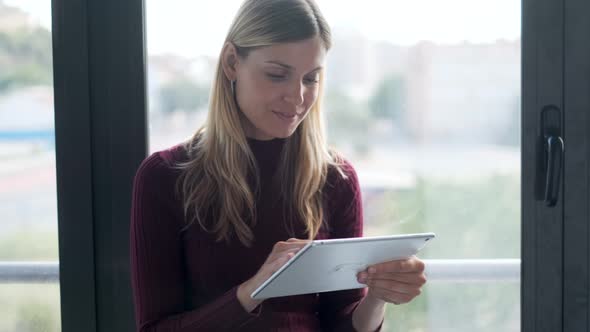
(347, 121)
(25, 58)
(389, 99)
(182, 94)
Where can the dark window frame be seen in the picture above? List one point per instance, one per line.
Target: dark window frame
(576, 261)
(101, 137)
(542, 226)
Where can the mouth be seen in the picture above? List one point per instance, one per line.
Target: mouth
(286, 116)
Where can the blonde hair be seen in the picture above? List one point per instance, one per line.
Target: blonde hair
(214, 182)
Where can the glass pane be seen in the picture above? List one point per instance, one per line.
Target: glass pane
(30, 308)
(450, 307)
(28, 199)
(423, 97)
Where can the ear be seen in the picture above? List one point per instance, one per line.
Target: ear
(229, 61)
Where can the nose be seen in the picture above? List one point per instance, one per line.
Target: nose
(295, 94)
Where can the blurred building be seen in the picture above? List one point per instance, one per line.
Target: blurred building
(457, 94)
(12, 18)
(463, 94)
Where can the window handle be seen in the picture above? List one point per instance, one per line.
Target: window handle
(555, 149)
(553, 153)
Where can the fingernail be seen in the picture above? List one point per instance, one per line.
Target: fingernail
(372, 270)
(362, 279)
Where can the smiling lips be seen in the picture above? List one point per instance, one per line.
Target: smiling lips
(286, 116)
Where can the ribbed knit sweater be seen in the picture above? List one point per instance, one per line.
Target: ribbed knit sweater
(187, 281)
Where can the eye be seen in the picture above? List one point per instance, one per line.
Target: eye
(276, 77)
(311, 80)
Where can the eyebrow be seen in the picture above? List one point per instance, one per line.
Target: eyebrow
(286, 66)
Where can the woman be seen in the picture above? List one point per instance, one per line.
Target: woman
(215, 216)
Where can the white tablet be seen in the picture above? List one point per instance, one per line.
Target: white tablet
(330, 265)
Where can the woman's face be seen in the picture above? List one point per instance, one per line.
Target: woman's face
(276, 86)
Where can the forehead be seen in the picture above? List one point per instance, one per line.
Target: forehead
(301, 55)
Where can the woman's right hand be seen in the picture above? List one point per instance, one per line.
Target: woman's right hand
(281, 252)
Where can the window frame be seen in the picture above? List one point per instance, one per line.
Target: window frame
(542, 226)
(101, 138)
(576, 261)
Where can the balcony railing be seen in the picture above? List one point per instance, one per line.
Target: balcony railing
(437, 270)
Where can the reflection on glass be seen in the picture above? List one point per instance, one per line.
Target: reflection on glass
(28, 204)
(427, 108)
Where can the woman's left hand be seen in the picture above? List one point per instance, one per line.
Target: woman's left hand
(395, 282)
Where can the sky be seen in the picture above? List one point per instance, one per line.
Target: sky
(199, 26)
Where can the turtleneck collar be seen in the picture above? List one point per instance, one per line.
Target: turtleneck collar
(267, 152)
(275, 142)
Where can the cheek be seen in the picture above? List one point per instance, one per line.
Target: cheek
(255, 95)
(310, 97)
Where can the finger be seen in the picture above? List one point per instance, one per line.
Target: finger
(297, 240)
(408, 277)
(418, 279)
(395, 287)
(398, 266)
(281, 260)
(409, 265)
(275, 254)
(284, 245)
(274, 263)
(391, 296)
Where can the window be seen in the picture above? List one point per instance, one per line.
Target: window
(28, 200)
(424, 100)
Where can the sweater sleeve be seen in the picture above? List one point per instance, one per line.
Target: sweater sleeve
(157, 266)
(336, 308)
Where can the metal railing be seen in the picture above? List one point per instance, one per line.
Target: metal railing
(29, 272)
(437, 270)
(472, 270)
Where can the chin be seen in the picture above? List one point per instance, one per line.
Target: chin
(284, 133)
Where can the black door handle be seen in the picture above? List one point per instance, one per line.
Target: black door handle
(555, 149)
(553, 153)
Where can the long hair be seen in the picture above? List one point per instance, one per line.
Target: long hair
(215, 182)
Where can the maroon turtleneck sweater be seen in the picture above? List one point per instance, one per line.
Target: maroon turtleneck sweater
(186, 281)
